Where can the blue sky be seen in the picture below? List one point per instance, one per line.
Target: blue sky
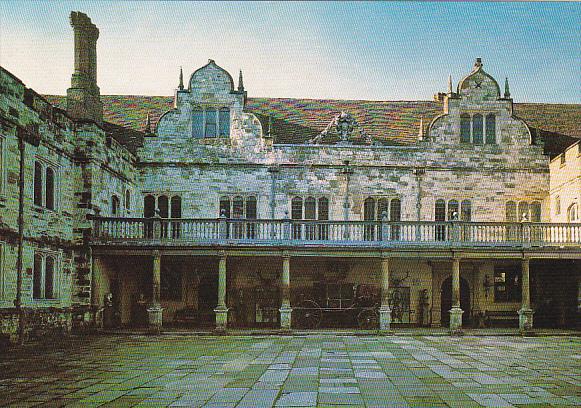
(346, 50)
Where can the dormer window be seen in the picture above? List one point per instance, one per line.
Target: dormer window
(210, 122)
(473, 129)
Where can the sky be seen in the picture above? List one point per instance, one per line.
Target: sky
(335, 50)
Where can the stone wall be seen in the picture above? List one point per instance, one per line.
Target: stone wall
(565, 172)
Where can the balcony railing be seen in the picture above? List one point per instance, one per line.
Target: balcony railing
(340, 233)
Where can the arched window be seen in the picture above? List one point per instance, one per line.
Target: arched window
(149, 206)
(573, 213)
(211, 117)
(114, 205)
(251, 212)
(465, 128)
(310, 208)
(440, 210)
(37, 281)
(511, 212)
(224, 120)
(297, 208)
(198, 123)
(395, 210)
(466, 211)
(163, 206)
(477, 128)
(37, 183)
(225, 206)
(238, 207)
(176, 207)
(369, 209)
(323, 208)
(491, 128)
(557, 205)
(127, 200)
(382, 208)
(49, 188)
(523, 211)
(43, 277)
(535, 211)
(453, 210)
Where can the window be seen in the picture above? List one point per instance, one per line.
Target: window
(511, 212)
(310, 208)
(535, 209)
(477, 127)
(523, 211)
(466, 211)
(44, 185)
(43, 279)
(395, 216)
(323, 208)
(225, 207)
(474, 129)
(381, 209)
(114, 206)
(557, 205)
(149, 206)
(563, 159)
(465, 128)
(507, 284)
(573, 213)
(163, 206)
(439, 216)
(297, 208)
(176, 207)
(239, 207)
(453, 210)
(251, 211)
(37, 184)
(491, 128)
(369, 209)
(210, 122)
(127, 200)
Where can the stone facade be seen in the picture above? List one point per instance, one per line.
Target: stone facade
(209, 158)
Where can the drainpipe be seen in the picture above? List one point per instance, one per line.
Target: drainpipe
(273, 170)
(18, 300)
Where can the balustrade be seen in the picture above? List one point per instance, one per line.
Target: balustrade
(363, 233)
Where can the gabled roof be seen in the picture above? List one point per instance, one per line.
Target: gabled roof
(299, 120)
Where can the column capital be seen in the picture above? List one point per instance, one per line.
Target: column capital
(285, 255)
(222, 254)
(384, 255)
(526, 259)
(156, 253)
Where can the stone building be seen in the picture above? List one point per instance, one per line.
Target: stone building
(214, 209)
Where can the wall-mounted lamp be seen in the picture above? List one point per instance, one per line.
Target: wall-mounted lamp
(487, 285)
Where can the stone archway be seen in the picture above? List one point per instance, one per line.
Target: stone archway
(446, 301)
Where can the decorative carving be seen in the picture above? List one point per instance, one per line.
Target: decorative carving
(343, 127)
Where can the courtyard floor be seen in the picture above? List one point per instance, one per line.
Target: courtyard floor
(290, 371)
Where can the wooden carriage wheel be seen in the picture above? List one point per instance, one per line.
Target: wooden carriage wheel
(308, 314)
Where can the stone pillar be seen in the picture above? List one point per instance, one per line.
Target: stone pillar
(154, 311)
(456, 311)
(384, 310)
(221, 310)
(285, 308)
(525, 321)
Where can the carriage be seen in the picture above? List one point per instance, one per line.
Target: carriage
(340, 304)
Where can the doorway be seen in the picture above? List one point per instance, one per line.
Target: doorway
(446, 301)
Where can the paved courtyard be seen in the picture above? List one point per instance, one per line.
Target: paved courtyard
(290, 371)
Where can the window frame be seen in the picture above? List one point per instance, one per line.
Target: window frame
(167, 195)
(381, 204)
(573, 209)
(317, 200)
(115, 205)
(3, 166)
(467, 124)
(43, 255)
(219, 113)
(44, 165)
(229, 209)
(512, 292)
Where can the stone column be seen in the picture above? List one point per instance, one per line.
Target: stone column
(221, 310)
(456, 311)
(285, 308)
(384, 310)
(154, 311)
(525, 321)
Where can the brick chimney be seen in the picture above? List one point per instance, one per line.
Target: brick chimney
(83, 100)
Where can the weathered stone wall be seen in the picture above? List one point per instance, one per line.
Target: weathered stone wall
(565, 172)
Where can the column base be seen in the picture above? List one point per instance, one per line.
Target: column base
(456, 321)
(385, 320)
(221, 319)
(525, 320)
(285, 318)
(155, 318)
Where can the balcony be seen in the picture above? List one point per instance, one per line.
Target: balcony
(286, 232)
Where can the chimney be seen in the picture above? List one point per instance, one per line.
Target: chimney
(83, 100)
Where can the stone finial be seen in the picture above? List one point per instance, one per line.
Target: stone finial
(148, 123)
(421, 132)
(478, 63)
(240, 82)
(269, 125)
(181, 85)
(506, 89)
(450, 84)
